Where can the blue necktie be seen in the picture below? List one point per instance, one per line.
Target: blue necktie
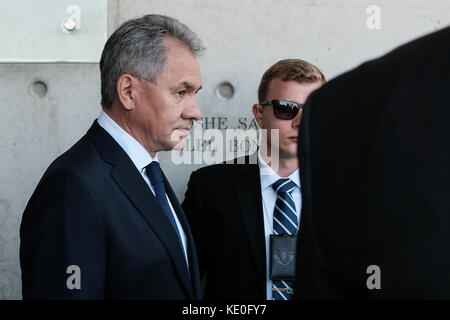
(285, 221)
(154, 173)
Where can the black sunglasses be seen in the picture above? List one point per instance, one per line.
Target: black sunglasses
(284, 109)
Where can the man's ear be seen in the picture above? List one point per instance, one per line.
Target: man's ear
(124, 89)
(257, 113)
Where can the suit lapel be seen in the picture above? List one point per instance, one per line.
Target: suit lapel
(248, 194)
(132, 184)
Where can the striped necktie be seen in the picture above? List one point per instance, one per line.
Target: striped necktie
(285, 221)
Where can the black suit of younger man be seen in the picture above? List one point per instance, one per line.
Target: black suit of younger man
(223, 204)
(374, 153)
(93, 209)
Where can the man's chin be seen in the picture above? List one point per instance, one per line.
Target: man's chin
(288, 154)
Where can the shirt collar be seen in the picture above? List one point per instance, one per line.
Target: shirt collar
(269, 176)
(137, 153)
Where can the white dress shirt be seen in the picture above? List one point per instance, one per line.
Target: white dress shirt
(140, 157)
(268, 176)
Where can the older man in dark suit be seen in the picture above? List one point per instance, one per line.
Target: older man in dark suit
(104, 223)
(374, 152)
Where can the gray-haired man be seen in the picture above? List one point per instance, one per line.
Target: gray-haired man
(103, 221)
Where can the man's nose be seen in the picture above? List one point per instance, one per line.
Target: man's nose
(296, 121)
(192, 111)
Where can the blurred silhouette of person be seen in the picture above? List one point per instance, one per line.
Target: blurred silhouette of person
(374, 152)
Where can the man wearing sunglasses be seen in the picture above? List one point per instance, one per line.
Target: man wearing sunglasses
(240, 213)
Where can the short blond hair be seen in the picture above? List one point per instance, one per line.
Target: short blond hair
(289, 69)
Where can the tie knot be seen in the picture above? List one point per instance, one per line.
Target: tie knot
(154, 173)
(283, 185)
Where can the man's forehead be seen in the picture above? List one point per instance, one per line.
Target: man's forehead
(183, 75)
(190, 85)
(176, 49)
(278, 84)
(183, 61)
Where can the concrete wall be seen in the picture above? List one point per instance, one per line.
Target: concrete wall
(243, 38)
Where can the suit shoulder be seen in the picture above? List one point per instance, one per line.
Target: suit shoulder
(81, 160)
(226, 168)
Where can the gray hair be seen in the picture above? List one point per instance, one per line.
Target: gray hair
(137, 48)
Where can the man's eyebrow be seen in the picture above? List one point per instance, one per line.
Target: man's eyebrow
(190, 86)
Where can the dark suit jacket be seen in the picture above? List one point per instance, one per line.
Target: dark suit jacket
(92, 209)
(374, 154)
(223, 204)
